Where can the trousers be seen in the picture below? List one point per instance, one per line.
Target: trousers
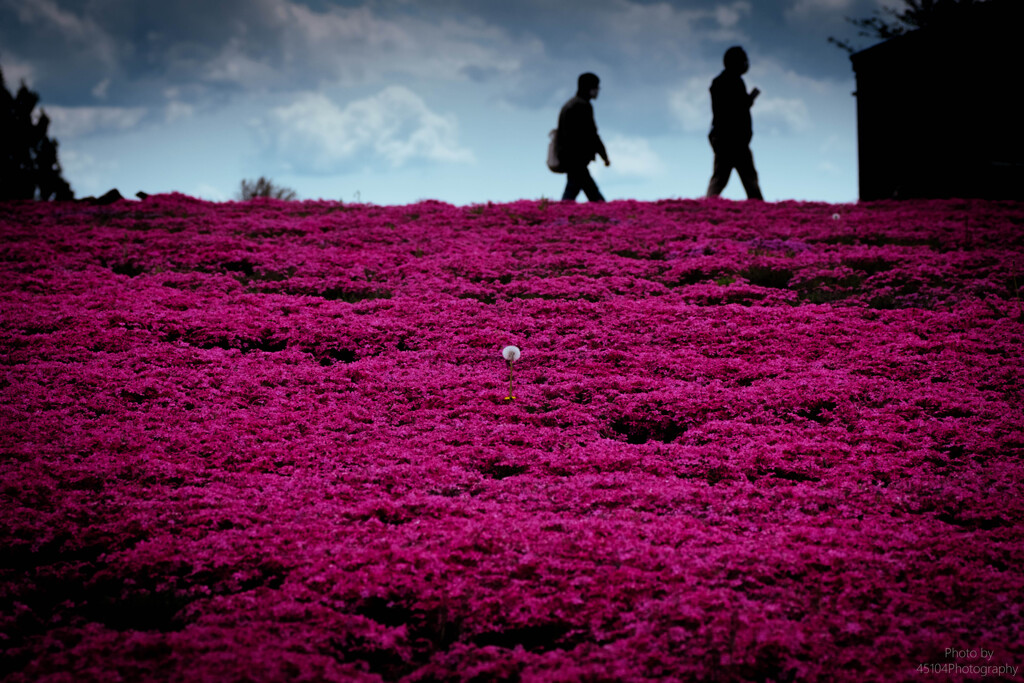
(728, 157)
(579, 179)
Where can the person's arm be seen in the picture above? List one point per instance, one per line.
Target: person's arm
(598, 146)
(753, 96)
(601, 150)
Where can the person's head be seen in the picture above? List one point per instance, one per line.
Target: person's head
(588, 85)
(736, 60)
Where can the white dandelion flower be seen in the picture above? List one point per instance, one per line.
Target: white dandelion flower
(511, 353)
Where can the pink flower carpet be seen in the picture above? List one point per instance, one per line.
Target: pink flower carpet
(270, 441)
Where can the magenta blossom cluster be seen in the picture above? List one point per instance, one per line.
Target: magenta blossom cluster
(269, 441)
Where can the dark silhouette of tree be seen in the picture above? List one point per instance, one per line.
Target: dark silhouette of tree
(891, 22)
(30, 169)
(264, 188)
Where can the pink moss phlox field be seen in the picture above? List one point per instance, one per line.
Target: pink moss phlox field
(269, 441)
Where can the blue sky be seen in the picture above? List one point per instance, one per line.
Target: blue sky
(393, 101)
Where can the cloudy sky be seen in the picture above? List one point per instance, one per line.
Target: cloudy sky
(393, 101)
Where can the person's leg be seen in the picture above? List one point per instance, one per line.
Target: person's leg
(573, 184)
(720, 173)
(748, 174)
(590, 187)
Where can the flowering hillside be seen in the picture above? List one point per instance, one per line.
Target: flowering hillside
(271, 441)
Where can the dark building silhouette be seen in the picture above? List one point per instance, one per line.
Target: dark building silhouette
(938, 111)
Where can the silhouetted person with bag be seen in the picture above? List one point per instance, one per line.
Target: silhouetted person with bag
(731, 129)
(577, 141)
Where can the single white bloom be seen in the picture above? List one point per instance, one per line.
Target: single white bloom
(511, 353)
(836, 216)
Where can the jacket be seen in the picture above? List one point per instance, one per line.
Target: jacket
(578, 142)
(730, 110)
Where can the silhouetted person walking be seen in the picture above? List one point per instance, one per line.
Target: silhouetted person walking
(578, 142)
(730, 126)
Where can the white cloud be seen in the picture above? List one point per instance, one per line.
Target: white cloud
(175, 111)
(830, 168)
(528, 57)
(15, 71)
(635, 29)
(234, 65)
(258, 45)
(74, 122)
(780, 115)
(285, 44)
(808, 9)
(632, 156)
(99, 91)
(81, 32)
(832, 143)
(85, 172)
(210, 192)
(729, 15)
(394, 127)
(629, 44)
(690, 104)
